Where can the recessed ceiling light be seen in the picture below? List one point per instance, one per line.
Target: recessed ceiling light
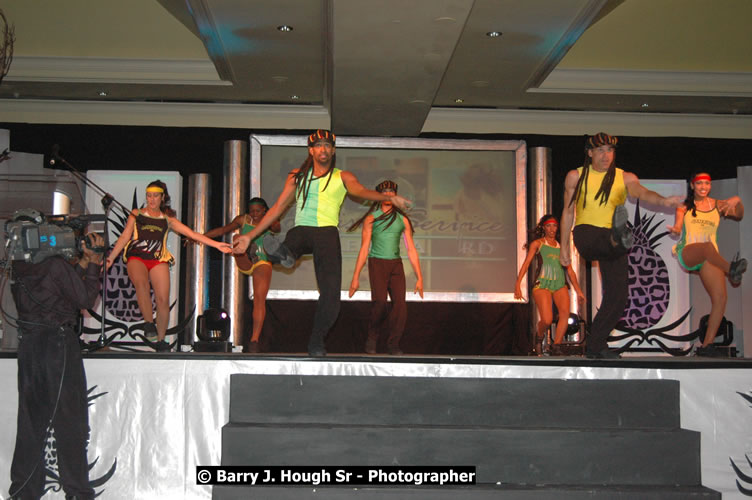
(493, 34)
(284, 28)
(645, 105)
(280, 79)
(459, 100)
(480, 83)
(102, 93)
(294, 97)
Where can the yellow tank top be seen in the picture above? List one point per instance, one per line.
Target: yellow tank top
(700, 228)
(592, 212)
(325, 197)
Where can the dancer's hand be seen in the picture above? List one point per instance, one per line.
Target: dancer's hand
(419, 287)
(674, 230)
(402, 203)
(673, 201)
(564, 257)
(581, 297)
(353, 287)
(729, 206)
(517, 292)
(224, 247)
(241, 243)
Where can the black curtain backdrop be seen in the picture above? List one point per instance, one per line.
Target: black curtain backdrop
(432, 328)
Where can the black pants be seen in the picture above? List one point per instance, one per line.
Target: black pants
(594, 243)
(44, 359)
(387, 275)
(323, 243)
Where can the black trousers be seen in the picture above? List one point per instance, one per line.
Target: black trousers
(44, 359)
(323, 243)
(387, 276)
(594, 243)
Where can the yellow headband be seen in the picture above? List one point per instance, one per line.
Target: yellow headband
(154, 189)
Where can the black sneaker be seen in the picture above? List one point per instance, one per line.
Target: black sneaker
(162, 346)
(150, 332)
(278, 251)
(620, 230)
(736, 269)
(253, 347)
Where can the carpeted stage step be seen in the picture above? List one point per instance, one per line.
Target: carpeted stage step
(605, 404)
(527, 438)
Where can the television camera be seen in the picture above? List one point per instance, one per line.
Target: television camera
(32, 237)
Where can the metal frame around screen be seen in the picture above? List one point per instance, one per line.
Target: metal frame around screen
(257, 142)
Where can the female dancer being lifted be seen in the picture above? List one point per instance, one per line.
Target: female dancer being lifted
(551, 283)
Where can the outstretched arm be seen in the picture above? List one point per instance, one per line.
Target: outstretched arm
(357, 189)
(637, 190)
(125, 236)
(531, 251)
(236, 224)
(242, 242)
(732, 208)
(412, 256)
(181, 228)
(365, 242)
(567, 217)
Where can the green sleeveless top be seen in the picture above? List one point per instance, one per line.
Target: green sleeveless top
(385, 241)
(259, 241)
(551, 276)
(322, 205)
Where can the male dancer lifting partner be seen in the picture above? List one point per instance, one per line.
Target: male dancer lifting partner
(319, 190)
(598, 190)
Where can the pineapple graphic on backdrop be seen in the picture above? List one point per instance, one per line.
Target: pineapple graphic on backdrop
(649, 291)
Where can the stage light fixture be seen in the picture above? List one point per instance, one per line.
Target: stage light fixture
(575, 331)
(725, 335)
(213, 326)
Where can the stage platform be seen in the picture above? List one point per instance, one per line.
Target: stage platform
(155, 417)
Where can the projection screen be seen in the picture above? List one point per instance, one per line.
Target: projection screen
(468, 214)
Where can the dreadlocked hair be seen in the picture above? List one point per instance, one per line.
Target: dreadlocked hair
(304, 177)
(605, 189)
(388, 217)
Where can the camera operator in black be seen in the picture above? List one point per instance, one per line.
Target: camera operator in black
(51, 379)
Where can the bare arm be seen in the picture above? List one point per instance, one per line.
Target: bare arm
(637, 190)
(576, 284)
(365, 241)
(412, 256)
(181, 228)
(567, 217)
(531, 251)
(125, 236)
(357, 189)
(678, 220)
(732, 208)
(236, 224)
(242, 242)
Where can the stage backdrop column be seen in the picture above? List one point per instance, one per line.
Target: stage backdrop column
(197, 262)
(235, 199)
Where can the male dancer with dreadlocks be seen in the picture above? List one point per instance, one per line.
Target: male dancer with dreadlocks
(319, 190)
(594, 197)
(383, 225)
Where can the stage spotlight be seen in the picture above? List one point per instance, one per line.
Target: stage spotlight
(575, 329)
(725, 335)
(213, 330)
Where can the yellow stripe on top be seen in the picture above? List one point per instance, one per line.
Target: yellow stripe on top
(592, 212)
(324, 201)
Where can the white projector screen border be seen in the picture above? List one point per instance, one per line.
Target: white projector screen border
(299, 284)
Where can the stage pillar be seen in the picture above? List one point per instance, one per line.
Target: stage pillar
(197, 263)
(234, 284)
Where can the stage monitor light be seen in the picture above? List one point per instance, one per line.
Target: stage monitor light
(213, 326)
(575, 331)
(725, 335)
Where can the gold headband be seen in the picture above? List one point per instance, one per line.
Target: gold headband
(154, 189)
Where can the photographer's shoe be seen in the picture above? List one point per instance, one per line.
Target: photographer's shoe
(736, 269)
(278, 252)
(620, 230)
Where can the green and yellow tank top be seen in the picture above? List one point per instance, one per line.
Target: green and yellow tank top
(149, 240)
(247, 228)
(700, 228)
(385, 241)
(592, 212)
(325, 197)
(551, 276)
